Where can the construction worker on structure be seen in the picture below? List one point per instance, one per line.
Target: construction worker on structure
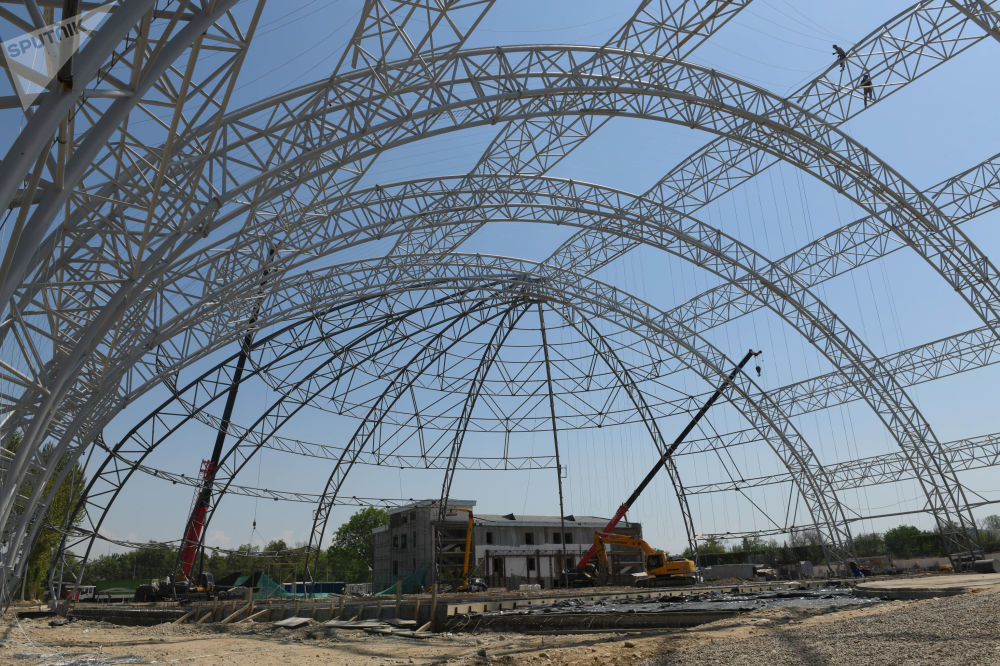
(867, 87)
(841, 56)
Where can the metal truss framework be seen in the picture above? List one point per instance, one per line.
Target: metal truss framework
(136, 254)
(616, 202)
(517, 271)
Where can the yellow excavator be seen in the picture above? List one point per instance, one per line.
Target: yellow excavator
(659, 571)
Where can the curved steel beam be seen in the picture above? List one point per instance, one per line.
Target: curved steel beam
(705, 105)
(589, 332)
(329, 498)
(397, 386)
(964, 268)
(709, 92)
(881, 392)
(119, 466)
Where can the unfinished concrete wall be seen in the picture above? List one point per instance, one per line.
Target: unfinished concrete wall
(527, 547)
(407, 546)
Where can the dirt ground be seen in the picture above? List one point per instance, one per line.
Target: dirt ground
(745, 639)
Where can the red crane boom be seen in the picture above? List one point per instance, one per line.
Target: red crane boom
(623, 509)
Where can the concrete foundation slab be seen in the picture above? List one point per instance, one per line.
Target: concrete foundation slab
(925, 587)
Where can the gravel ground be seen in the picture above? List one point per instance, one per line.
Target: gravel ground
(948, 630)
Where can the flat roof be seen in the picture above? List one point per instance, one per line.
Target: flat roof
(545, 521)
(417, 504)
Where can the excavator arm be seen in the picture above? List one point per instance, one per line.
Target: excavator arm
(622, 540)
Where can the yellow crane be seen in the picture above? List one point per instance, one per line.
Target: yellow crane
(469, 584)
(659, 570)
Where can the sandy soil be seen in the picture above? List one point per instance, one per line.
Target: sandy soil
(960, 629)
(34, 642)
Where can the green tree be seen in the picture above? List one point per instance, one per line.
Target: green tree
(989, 530)
(710, 546)
(991, 523)
(904, 541)
(869, 545)
(276, 547)
(750, 545)
(63, 500)
(351, 557)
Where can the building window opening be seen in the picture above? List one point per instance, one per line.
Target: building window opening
(531, 564)
(489, 537)
(402, 541)
(555, 537)
(395, 541)
(529, 538)
(569, 537)
(395, 568)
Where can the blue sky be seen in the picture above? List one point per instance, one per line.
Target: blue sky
(931, 130)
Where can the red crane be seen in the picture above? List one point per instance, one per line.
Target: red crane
(196, 523)
(623, 509)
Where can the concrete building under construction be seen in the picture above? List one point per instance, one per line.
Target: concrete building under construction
(506, 550)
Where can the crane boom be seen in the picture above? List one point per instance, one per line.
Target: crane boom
(199, 512)
(623, 509)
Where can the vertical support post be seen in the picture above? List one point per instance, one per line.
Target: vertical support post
(555, 438)
(434, 605)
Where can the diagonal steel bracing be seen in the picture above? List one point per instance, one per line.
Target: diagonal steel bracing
(398, 385)
(908, 46)
(149, 265)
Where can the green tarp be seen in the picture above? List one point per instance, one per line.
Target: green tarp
(411, 584)
(267, 589)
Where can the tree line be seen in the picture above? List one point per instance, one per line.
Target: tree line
(904, 542)
(349, 559)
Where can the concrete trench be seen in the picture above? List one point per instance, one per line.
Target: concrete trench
(556, 609)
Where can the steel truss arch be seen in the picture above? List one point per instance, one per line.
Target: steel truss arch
(802, 466)
(686, 107)
(956, 40)
(958, 265)
(712, 87)
(907, 46)
(798, 458)
(117, 468)
(578, 195)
